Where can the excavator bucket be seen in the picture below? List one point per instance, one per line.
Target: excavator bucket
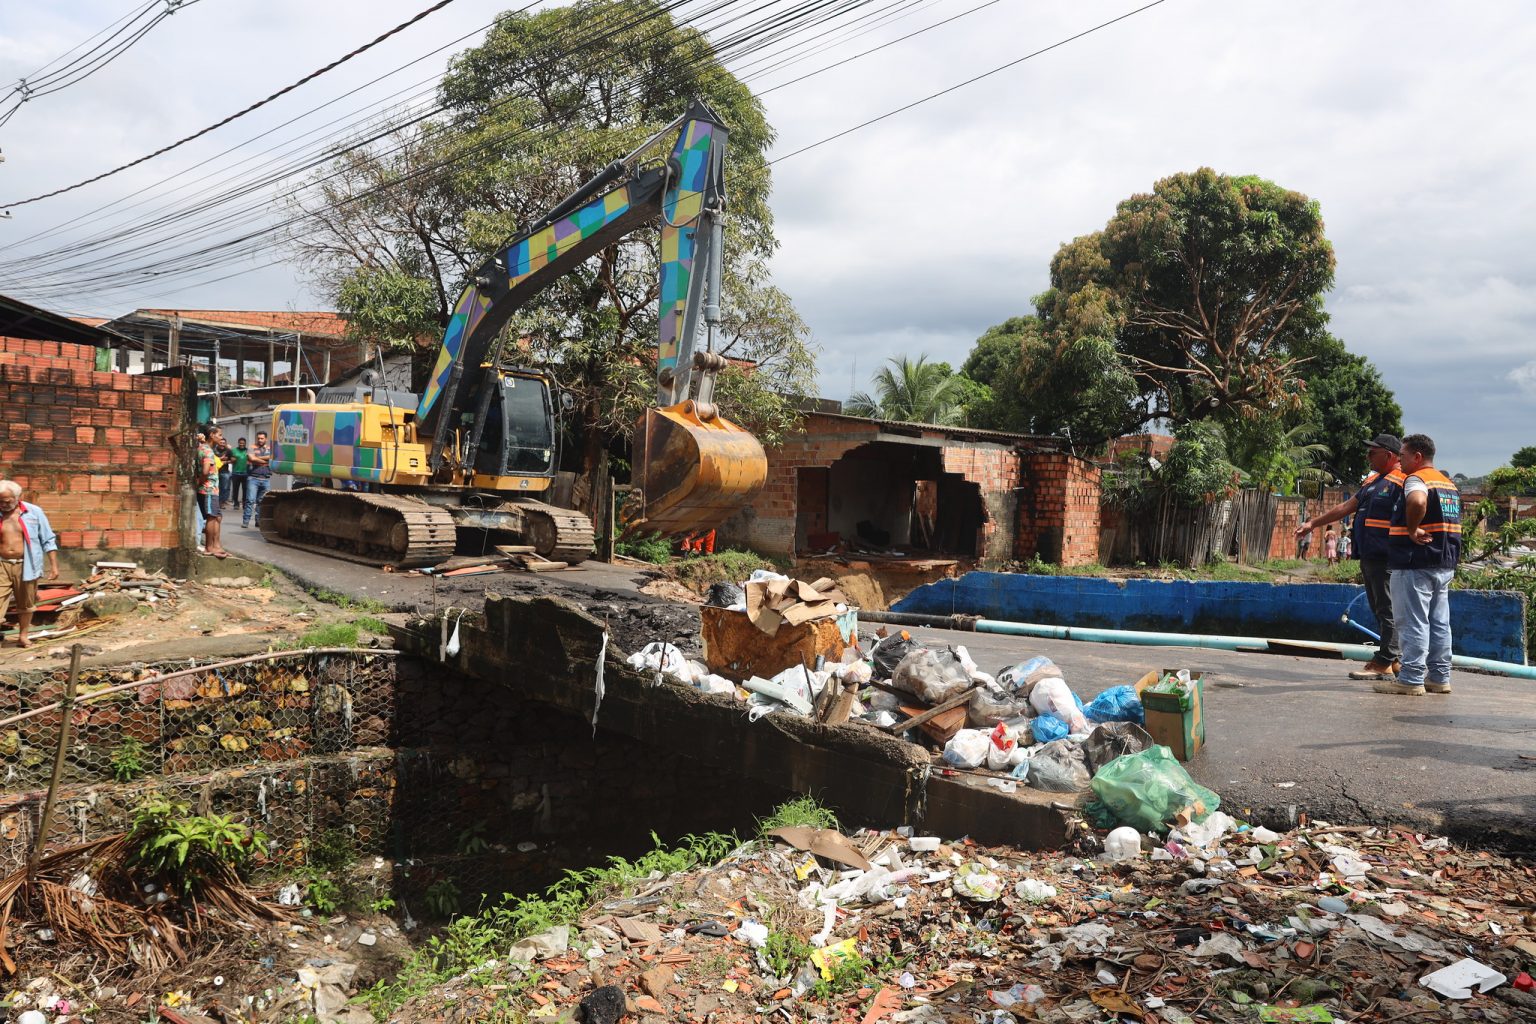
(695, 473)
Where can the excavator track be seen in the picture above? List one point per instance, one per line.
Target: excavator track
(558, 534)
(376, 529)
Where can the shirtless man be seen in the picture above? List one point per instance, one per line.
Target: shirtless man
(25, 540)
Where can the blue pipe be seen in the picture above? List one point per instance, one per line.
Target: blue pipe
(1352, 652)
(1351, 622)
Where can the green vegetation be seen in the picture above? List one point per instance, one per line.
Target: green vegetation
(471, 939)
(912, 391)
(849, 974)
(729, 566)
(650, 547)
(331, 634)
(189, 851)
(442, 897)
(784, 952)
(128, 760)
(373, 625)
(360, 604)
(802, 812)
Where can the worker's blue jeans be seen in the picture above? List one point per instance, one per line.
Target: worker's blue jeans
(255, 488)
(1421, 606)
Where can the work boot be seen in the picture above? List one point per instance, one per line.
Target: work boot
(1390, 685)
(1376, 670)
(1430, 686)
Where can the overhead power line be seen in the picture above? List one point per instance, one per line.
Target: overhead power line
(239, 114)
(44, 82)
(969, 81)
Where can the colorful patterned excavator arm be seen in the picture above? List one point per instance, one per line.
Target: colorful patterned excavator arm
(687, 195)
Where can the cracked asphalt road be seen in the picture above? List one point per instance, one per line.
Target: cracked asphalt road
(1285, 736)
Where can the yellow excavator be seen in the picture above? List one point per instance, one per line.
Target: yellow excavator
(401, 475)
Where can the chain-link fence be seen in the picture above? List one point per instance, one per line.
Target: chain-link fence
(294, 744)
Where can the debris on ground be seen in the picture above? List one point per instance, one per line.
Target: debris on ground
(66, 610)
(1250, 925)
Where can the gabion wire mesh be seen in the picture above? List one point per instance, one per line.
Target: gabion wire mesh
(296, 746)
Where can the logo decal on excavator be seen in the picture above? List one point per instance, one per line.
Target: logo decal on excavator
(292, 433)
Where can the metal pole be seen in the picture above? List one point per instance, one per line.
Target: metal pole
(66, 713)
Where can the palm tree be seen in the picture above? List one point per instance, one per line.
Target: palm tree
(913, 391)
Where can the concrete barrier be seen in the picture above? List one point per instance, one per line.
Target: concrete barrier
(1484, 624)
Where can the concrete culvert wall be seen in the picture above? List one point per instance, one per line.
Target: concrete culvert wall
(452, 783)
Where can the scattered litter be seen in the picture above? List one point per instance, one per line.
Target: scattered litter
(1459, 979)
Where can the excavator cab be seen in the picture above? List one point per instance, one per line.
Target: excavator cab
(519, 438)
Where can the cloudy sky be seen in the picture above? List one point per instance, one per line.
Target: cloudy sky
(915, 234)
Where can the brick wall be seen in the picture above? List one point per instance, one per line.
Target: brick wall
(1282, 539)
(92, 449)
(769, 524)
(996, 470)
(1058, 509)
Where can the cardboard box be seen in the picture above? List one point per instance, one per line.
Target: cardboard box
(737, 649)
(1177, 721)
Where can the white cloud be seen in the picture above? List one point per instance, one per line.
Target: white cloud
(917, 233)
(1525, 377)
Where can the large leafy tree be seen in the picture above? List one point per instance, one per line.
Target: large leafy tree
(1525, 458)
(1193, 302)
(1346, 404)
(543, 104)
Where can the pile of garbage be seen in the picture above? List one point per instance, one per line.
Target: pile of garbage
(1022, 726)
(1216, 923)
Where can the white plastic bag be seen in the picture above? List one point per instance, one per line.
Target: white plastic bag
(1053, 696)
(935, 676)
(967, 748)
(660, 657)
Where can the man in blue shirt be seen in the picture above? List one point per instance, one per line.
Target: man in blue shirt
(26, 539)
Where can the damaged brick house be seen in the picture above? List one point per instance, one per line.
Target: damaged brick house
(923, 491)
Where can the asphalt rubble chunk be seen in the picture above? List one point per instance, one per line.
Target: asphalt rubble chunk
(1225, 923)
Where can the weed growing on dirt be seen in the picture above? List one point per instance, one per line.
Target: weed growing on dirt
(371, 624)
(784, 952)
(849, 974)
(359, 604)
(128, 760)
(652, 548)
(332, 634)
(802, 812)
(186, 850)
(471, 939)
(732, 566)
(442, 897)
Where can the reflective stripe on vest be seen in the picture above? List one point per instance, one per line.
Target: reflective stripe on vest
(1442, 521)
(1373, 514)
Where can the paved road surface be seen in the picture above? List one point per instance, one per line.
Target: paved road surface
(1285, 736)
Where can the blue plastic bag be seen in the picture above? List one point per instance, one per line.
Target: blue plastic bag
(1048, 727)
(1117, 704)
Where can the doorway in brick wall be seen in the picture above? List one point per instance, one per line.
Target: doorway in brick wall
(888, 498)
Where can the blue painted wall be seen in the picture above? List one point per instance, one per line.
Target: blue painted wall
(1484, 624)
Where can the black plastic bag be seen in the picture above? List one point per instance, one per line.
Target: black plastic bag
(1112, 740)
(724, 595)
(890, 652)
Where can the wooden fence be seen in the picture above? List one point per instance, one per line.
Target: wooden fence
(1238, 527)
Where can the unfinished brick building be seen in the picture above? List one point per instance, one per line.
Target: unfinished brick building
(95, 449)
(924, 491)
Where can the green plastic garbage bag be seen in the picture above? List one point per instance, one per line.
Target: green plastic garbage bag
(1146, 790)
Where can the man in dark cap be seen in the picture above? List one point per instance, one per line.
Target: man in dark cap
(1372, 507)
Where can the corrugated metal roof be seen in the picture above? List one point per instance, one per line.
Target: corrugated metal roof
(960, 433)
